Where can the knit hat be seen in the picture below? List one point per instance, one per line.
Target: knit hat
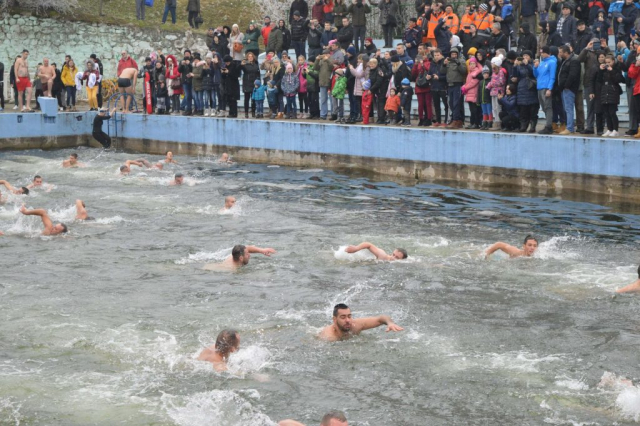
(497, 61)
(366, 85)
(289, 67)
(527, 52)
(296, 13)
(257, 83)
(227, 58)
(369, 39)
(511, 55)
(351, 50)
(395, 58)
(484, 7)
(405, 82)
(473, 59)
(454, 50)
(332, 42)
(486, 70)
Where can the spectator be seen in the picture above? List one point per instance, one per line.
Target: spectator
(497, 87)
(236, 47)
(357, 72)
(421, 74)
(266, 29)
(231, 85)
(509, 115)
(634, 73)
(286, 35)
(314, 39)
(338, 90)
(185, 69)
(453, 22)
(125, 62)
(98, 66)
(545, 73)
(589, 57)
(276, 74)
(328, 11)
(439, 88)
(257, 97)
(526, 41)
(392, 107)
(290, 87)
(627, 61)
(339, 11)
(555, 39)
(389, 20)
(324, 68)
(250, 40)
(468, 19)
(609, 78)
(600, 26)
(358, 11)
(456, 75)
(58, 87)
(443, 37)
(207, 85)
(596, 96)
(328, 35)
(272, 98)
(313, 89)
(299, 33)
(568, 84)
(217, 101)
(498, 39)
(543, 38)
(68, 79)
(317, 12)
(92, 77)
(583, 37)
(174, 86)
(2, 86)
(484, 99)
(140, 9)
(567, 24)
(369, 47)
(275, 40)
(303, 100)
(624, 20)
(197, 75)
(528, 11)
(484, 20)
(193, 7)
(250, 73)
(301, 7)
(470, 90)
(406, 98)
(169, 6)
(527, 95)
(379, 78)
(367, 100)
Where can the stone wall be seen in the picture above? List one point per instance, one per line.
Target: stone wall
(53, 38)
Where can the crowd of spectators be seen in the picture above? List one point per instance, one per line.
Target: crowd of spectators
(506, 62)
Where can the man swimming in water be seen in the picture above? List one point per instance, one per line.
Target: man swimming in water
(332, 418)
(37, 182)
(224, 158)
(529, 247)
(169, 158)
(81, 211)
(240, 256)
(125, 169)
(72, 161)
(20, 191)
(49, 227)
(229, 202)
(227, 342)
(380, 254)
(177, 180)
(634, 287)
(344, 326)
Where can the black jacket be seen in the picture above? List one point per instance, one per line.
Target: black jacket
(609, 82)
(569, 74)
(299, 29)
(299, 6)
(345, 36)
(314, 38)
(185, 69)
(582, 39)
(527, 41)
(286, 38)
(554, 38)
(231, 82)
(250, 73)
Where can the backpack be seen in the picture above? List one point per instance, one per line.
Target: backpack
(422, 81)
(340, 88)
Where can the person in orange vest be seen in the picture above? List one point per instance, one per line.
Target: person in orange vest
(436, 14)
(484, 20)
(467, 19)
(452, 20)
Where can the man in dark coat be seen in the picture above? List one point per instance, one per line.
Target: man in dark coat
(567, 24)
(231, 84)
(568, 85)
(412, 38)
(527, 41)
(301, 7)
(345, 34)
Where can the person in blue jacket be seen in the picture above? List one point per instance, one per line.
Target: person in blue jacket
(545, 73)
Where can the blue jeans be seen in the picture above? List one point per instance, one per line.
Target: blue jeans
(486, 109)
(324, 95)
(291, 105)
(168, 9)
(209, 99)
(569, 102)
(198, 100)
(299, 47)
(71, 95)
(455, 103)
(186, 102)
(260, 107)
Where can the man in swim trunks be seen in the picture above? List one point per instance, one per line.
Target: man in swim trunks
(81, 211)
(20, 191)
(398, 254)
(344, 326)
(127, 85)
(227, 342)
(72, 161)
(177, 180)
(49, 227)
(634, 287)
(229, 202)
(23, 81)
(332, 418)
(529, 247)
(47, 75)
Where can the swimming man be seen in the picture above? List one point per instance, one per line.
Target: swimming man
(380, 254)
(81, 211)
(20, 191)
(227, 342)
(125, 169)
(72, 161)
(49, 227)
(37, 182)
(177, 180)
(169, 158)
(240, 256)
(529, 247)
(344, 326)
(634, 287)
(229, 202)
(332, 418)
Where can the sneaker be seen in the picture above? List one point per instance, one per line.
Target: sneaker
(614, 134)
(566, 132)
(607, 133)
(15, 107)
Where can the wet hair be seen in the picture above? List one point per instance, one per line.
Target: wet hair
(404, 252)
(74, 155)
(37, 177)
(25, 51)
(237, 251)
(123, 168)
(530, 237)
(333, 415)
(178, 175)
(338, 307)
(226, 340)
(64, 228)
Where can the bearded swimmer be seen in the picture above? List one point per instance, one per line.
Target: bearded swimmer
(344, 326)
(240, 256)
(528, 248)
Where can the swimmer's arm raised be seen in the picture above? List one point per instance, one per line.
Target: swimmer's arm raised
(289, 422)
(377, 252)
(81, 212)
(509, 249)
(7, 185)
(130, 163)
(373, 322)
(38, 212)
(266, 251)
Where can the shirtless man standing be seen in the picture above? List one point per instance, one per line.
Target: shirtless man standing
(380, 254)
(240, 256)
(23, 81)
(529, 247)
(227, 342)
(20, 191)
(127, 85)
(344, 326)
(49, 227)
(332, 418)
(47, 75)
(72, 161)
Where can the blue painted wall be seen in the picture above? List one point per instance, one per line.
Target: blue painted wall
(35, 125)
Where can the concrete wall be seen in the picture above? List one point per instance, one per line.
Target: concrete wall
(35, 131)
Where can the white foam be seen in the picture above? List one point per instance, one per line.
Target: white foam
(360, 256)
(204, 256)
(10, 411)
(628, 402)
(573, 384)
(249, 360)
(109, 220)
(285, 186)
(310, 170)
(554, 248)
(438, 242)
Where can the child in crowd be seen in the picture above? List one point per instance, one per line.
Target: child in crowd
(162, 93)
(290, 87)
(470, 91)
(367, 99)
(405, 100)
(338, 91)
(392, 106)
(600, 27)
(496, 86)
(258, 95)
(302, 66)
(509, 116)
(484, 97)
(272, 97)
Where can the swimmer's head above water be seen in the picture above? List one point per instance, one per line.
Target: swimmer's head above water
(125, 170)
(400, 254)
(240, 254)
(37, 180)
(342, 317)
(178, 179)
(530, 245)
(229, 202)
(227, 342)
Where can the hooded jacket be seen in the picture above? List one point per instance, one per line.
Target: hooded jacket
(527, 41)
(275, 41)
(569, 75)
(554, 38)
(609, 82)
(525, 95)
(545, 73)
(456, 70)
(582, 39)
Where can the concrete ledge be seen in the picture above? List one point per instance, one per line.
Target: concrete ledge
(37, 131)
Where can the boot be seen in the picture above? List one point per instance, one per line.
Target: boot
(246, 115)
(253, 114)
(427, 122)
(489, 125)
(484, 125)
(334, 117)
(637, 135)
(546, 131)
(280, 115)
(534, 123)
(554, 127)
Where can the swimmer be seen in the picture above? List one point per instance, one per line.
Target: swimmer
(380, 254)
(229, 202)
(81, 211)
(20, 191)
(72, 161)
(125, 169)
(529, 247)
(634, 287)
(49, 227)
(37, 182)
(177, 180)
(169, 158)
(227, 342)
(344, 326)
(224, 158)
(240, 256)
(332, 418)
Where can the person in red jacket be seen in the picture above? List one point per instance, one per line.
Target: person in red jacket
(634, 74)
(266, 30)
(125, 62)
(420, 73)
(367, 100)
(174, 85)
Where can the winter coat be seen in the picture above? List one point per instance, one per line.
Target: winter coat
(197, 76)
(405, 97)
(302, 78)
(345, 36)
(358, 72)
(456, 72)
(290, 84)
(193, 6)
(438, 68)
(185, 69)
(171, 74)
(569, 75)
(259, 93)
(527, 41)
(286, 38)
(528, 7)
(568, 27)
(484, 97)
(418, 69)
(554, 38)
(207, 81)
(230, 81)
(470, 88)
(69, 76)
(629, 15)
(233, 39)
(324, 67)
(312, 80)
(509, 105)
(412, 36)
(498, 82)
(250, 73)
(314, 38)
(339, 12)
(250, 40)
(277, 77)
(358, 13)
(443, 38)
(300, 6)
(401, 73)
(524, 74)
(299, 29)
(600, 29)
(317, 12)
(275, 41)
(634, 74)
(379, 82)
(393, 103)
(389, 13)
(590, 60)
(545, 73)
(609, 82)
(582, 39)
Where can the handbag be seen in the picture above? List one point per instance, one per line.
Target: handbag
(148, 3)
(237, 47)
(199, 19)
(175, 84)
(422, 81)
